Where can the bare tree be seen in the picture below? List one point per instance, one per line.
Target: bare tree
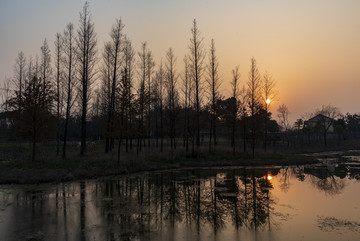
(149, 72)
(105, 71)
(36, 104)
(95, 111)
(158, 94)
(121, 110)
(19, 72)
(45, 62)
(186, 89)
(243, 113)
(70, 64)
(197, 56)
(269, 94)
(115, 48)
(30, 69)
(129, 58)
(235, 91)
(214, 83)
(142, 95)
(36, 70)
(283, 115)
(254, 95)
(86, 43)
(172, 95)
(58, 97)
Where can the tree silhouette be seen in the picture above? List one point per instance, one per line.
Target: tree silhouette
(70, 64)
(214, 83)
(45, 67)
(253, 92)
(59, 87)
(158, 90)
(172, 95)
(235, 91)
(283, 115)
(197, 56)
(129, 59)
(86, 43)
(33, 110)
(115, 48)
(142, 96)
(19, 74)
(30, 69)
(269, 94)
(150, 63)
(187, 92)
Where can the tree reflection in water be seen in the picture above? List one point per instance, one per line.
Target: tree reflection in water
(325, 180)
(160, 205)
(194, 199)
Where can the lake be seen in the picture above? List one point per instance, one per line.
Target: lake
(315, 202)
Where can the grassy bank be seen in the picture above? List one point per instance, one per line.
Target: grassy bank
(16, 168)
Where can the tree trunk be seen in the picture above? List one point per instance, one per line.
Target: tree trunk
(244, 136)
(58, 96)
(265, 140)
(83, 130)
(65, 136)
(119, 147)
(161, 128)
(214, 129)
(67, 115)
(210, 135)
(34, 137)
(34, 146)
(108, 131)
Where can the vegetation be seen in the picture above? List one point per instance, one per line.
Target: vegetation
(31, 110)
(15, 167)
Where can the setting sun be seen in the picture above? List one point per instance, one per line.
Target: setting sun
(269, 177)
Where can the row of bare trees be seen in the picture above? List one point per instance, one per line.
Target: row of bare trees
(140, 103)
(75, 69)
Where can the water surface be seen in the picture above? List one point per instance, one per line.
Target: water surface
(318, 202)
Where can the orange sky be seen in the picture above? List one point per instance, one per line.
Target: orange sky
(311, 47)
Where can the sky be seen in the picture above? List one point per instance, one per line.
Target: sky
(310, 47)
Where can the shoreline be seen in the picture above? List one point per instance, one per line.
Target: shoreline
(42, 173)
(93, 166)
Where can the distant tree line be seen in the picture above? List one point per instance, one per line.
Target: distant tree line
(329, 124)
(121, 96)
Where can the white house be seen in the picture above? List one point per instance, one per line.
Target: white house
(322, 121)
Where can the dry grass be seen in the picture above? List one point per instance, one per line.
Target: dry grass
(15, 166)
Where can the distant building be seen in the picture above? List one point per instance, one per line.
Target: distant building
(320, 121)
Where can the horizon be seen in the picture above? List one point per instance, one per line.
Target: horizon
(308, 47)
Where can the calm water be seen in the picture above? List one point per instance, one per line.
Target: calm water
(294, 203)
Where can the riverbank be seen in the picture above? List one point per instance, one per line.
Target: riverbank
(15, 167)
(88, 167)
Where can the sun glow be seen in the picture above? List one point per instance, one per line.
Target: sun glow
(268, 101)
(269, 177)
